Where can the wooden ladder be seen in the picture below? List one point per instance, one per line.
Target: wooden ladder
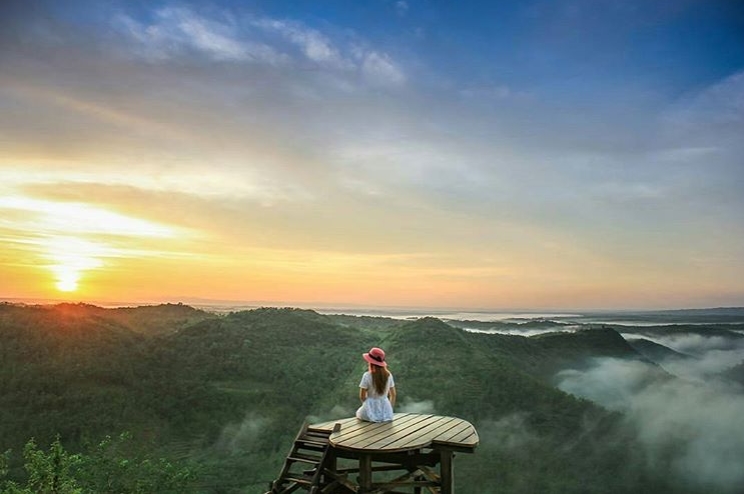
(305, 464)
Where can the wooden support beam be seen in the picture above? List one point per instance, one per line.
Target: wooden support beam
(365, 473)
(446, 471)
(421, 448)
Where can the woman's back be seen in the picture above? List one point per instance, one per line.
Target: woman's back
(376, 389)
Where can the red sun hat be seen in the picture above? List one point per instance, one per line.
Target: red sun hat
(376, 356)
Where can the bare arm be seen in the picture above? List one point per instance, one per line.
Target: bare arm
(362, 394)
(392, 395)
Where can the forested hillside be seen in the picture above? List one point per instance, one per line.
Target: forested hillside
(222, 396)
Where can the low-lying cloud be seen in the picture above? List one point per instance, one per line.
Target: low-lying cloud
(692, 429)
(610, 382)
(410, 406)
(244, 435)
(510, 433)
(337, 412)
(524, 332)
(712, 354)
(696, 344)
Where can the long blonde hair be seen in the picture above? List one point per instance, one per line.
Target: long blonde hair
(379, 377)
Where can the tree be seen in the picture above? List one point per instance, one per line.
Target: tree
(48, 473)
(106, 469)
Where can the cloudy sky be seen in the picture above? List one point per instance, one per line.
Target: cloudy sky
(525, 154)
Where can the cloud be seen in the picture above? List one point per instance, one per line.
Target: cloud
(182, 32)
(376, 67)
(177, 30)
(523, 332)
(337, 412)
(349, 145)
(688, 426)
(79, 218)
(510, 433)
(713, 354)
(242, 436)
(700, 420)
(721, 103)
(70, 239)
(314, 45)
(611, 382)
(411, 406)
(379, 68)
(706, 125)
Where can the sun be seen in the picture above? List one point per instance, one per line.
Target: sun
(73, 239)
(67, 279)
(70, 258)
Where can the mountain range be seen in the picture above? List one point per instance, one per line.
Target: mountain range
(225, 393)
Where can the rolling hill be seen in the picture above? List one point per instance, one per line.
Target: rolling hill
(227, 393)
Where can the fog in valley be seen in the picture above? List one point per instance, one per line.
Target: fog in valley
(686, 414)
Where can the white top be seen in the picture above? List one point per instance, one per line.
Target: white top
(376, 408)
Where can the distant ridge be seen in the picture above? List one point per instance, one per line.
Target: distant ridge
(221, 305)
(656, 352)
(705, 311)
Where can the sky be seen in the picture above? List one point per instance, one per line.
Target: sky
(577, 154)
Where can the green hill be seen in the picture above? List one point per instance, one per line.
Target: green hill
(227, 393)
(656, 352)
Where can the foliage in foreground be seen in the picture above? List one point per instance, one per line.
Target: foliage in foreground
(110, 467)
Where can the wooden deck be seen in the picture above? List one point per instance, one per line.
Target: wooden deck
(412, 443)
(407, 431)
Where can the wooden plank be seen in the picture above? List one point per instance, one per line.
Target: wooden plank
(362, 427)
(407, 431)
(328, 426)
(446, 436)
(421, 437)
(466, 437)
(346, 422)
(357, 427)
(430, 474)
(371, 430)
(408, 479)
(366, 440)
(412, 437)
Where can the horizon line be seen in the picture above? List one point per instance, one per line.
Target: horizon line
(197, 302)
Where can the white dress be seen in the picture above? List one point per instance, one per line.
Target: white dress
(376, 408)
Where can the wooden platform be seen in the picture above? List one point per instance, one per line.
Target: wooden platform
(407, 431)
(421, 446)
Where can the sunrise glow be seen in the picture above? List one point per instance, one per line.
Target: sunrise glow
(269, 152)
(70, 258)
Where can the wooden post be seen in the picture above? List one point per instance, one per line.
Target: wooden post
(365, 473)
(447, 471)
(332, 462)
(417, 490)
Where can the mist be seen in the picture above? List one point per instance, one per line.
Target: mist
(526, 332)
(691, 429)
(242, 436)
(337, 412)
(411, 406)
(712, 355)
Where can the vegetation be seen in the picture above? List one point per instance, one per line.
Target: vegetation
(211, 403)
(111, 467)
